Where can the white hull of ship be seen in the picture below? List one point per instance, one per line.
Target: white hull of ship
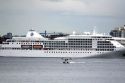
(59, 53)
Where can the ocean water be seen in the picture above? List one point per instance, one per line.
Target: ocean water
(52, 70)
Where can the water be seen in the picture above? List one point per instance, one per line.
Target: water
(51, 70)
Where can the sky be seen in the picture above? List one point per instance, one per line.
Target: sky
(18, 16)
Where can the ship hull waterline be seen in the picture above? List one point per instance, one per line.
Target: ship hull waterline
(58, 53)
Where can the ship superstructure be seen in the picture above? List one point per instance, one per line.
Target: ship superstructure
(75, 45)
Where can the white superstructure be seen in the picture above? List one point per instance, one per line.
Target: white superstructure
(75, 45)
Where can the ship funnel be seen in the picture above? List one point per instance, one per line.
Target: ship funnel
(33, 34)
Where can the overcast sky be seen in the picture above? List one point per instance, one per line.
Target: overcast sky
(18, 16)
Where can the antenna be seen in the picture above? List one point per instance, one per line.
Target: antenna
(74, 33)
(94, 31)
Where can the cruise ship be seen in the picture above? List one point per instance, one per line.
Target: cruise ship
(74, 45)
